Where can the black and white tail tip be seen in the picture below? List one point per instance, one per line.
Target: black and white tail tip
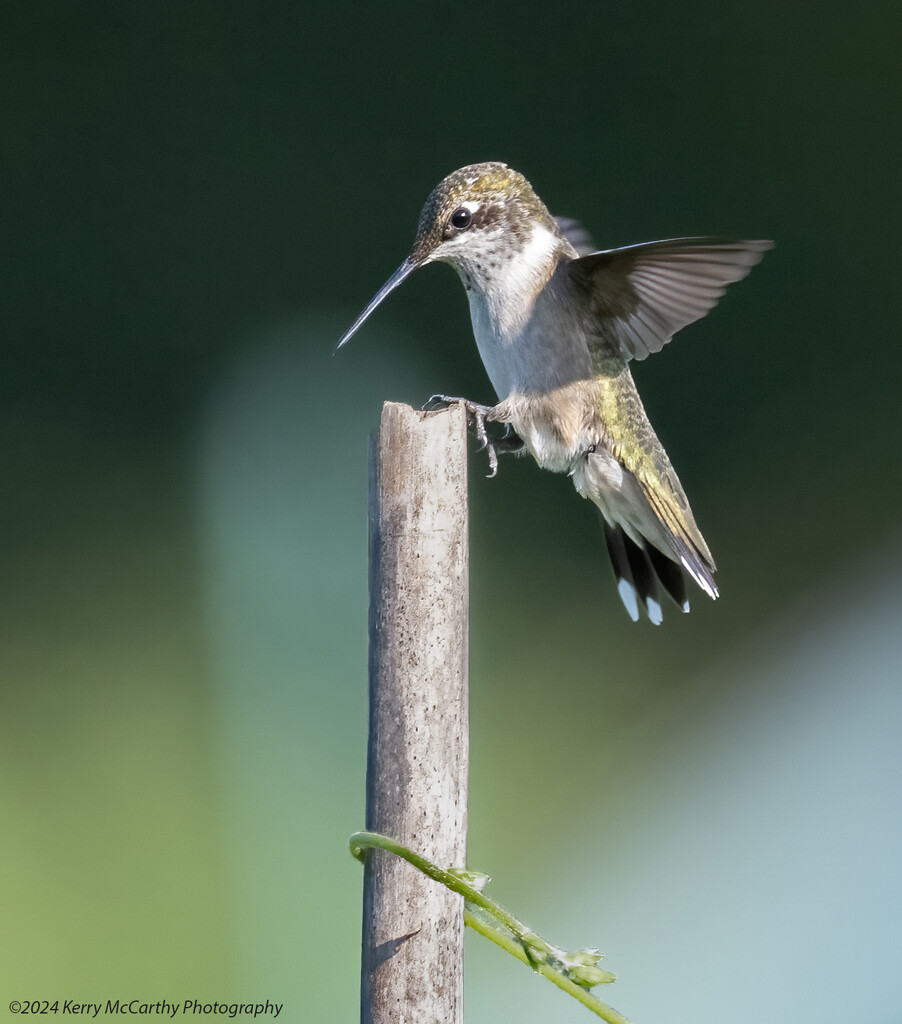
(643, 573)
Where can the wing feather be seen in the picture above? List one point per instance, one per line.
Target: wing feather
(643, 294)
(691, 551)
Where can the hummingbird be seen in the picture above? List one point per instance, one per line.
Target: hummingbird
(556, 324)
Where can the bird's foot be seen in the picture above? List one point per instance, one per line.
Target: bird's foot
(478, 414)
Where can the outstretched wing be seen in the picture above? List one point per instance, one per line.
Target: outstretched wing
(643, 294)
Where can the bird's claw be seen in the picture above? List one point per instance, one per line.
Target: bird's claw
(478, 413)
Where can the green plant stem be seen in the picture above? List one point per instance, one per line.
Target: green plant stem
(495, 925)
(603, 1010)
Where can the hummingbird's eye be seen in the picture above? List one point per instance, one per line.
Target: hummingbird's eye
(461, 218)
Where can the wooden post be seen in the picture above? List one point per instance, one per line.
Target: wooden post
(419, 738)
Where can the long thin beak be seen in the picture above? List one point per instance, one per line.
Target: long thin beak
(403, 272)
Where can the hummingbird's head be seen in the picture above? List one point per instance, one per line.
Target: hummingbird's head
(478, 219)
(488, 223)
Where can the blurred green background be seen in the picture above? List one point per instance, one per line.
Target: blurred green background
(197, 199)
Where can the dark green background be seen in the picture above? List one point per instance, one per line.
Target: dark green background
(197, 198)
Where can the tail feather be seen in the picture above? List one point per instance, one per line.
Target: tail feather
(670, 576)
(639, 574)
(645, 579)
(642, 572)
(626, 585)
